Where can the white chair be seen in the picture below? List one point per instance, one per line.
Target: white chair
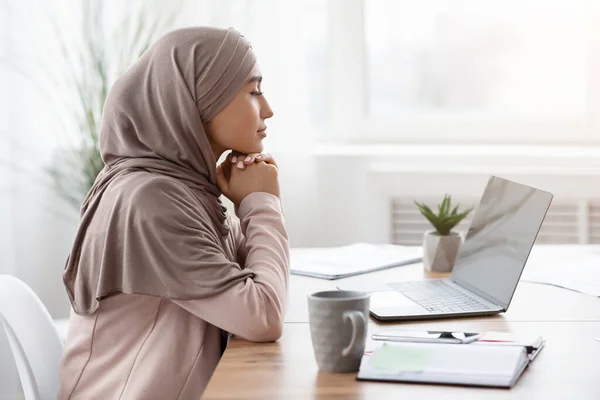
(33, 338)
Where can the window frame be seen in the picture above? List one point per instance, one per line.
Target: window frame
(348, 98)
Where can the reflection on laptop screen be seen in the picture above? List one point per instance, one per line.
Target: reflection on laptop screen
(503, 230)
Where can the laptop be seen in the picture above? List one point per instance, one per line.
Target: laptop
(488, 266)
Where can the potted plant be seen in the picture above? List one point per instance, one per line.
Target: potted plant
(441, 245)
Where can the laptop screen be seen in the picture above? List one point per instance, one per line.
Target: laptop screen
(502, 232)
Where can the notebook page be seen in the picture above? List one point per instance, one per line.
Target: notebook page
(443, 358)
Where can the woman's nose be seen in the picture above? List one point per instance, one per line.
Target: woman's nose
(266, 111)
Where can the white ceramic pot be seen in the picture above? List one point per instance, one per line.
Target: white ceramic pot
(439, 252)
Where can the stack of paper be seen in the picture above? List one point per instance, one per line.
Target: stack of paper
(355, 259)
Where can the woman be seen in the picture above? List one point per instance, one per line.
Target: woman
(158, 276)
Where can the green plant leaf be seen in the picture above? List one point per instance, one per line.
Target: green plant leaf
(445, 219)
(455, 209)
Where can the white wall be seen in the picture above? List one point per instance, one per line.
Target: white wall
(356, 182)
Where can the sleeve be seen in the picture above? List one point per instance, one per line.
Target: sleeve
(254, 308)
(240, 241)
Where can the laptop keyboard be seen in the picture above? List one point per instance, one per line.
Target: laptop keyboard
(437, 296)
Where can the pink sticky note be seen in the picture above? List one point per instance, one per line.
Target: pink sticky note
(497, 337)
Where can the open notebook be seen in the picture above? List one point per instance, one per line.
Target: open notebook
(459, 364)
(354, 259)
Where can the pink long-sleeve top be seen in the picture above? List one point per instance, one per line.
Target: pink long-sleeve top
(145, 347)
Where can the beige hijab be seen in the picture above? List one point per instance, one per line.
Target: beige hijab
(152, 223)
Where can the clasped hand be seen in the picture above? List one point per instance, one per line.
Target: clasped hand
(242, 174)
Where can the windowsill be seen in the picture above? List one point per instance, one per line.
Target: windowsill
(458, 150)
(542, 158)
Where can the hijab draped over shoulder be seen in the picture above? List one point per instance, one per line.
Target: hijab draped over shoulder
(153, 223)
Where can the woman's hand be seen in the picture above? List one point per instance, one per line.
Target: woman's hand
(242, 160)
(249, 174)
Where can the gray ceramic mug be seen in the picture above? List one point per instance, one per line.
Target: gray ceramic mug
(338, 328)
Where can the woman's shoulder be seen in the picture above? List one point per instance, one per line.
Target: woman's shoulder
(159, 194)
(142, 183)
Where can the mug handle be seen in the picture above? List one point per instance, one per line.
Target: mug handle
(359, 330)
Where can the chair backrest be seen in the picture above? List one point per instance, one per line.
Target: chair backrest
(33, 338)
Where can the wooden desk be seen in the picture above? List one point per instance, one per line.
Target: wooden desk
(567, 368)
(286, 369)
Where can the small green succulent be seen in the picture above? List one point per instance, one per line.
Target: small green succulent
(445, 219)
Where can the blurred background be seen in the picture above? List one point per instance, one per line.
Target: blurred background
(377, 103)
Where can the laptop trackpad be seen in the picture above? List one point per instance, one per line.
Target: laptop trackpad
(392, 303)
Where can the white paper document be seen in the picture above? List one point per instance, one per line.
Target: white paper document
(355, 259)
(577, 274)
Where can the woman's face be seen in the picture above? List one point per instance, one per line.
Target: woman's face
(240, 126)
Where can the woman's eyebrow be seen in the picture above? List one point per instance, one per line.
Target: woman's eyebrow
(256, 78)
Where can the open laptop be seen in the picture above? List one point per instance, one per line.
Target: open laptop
(488, 266)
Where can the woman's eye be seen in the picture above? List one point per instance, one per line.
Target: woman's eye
(257, 93)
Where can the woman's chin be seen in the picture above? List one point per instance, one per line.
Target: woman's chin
(249, 150)
(258, 148)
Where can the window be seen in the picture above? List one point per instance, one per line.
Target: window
(469, 70)
(494, 57)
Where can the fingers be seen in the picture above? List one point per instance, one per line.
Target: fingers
(235, 159)
(251, 158)
(267, 158)
(242, 160)
(240, 164)
(234, 156)
(257, 157)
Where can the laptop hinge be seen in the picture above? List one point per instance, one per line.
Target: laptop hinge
(480, 293)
